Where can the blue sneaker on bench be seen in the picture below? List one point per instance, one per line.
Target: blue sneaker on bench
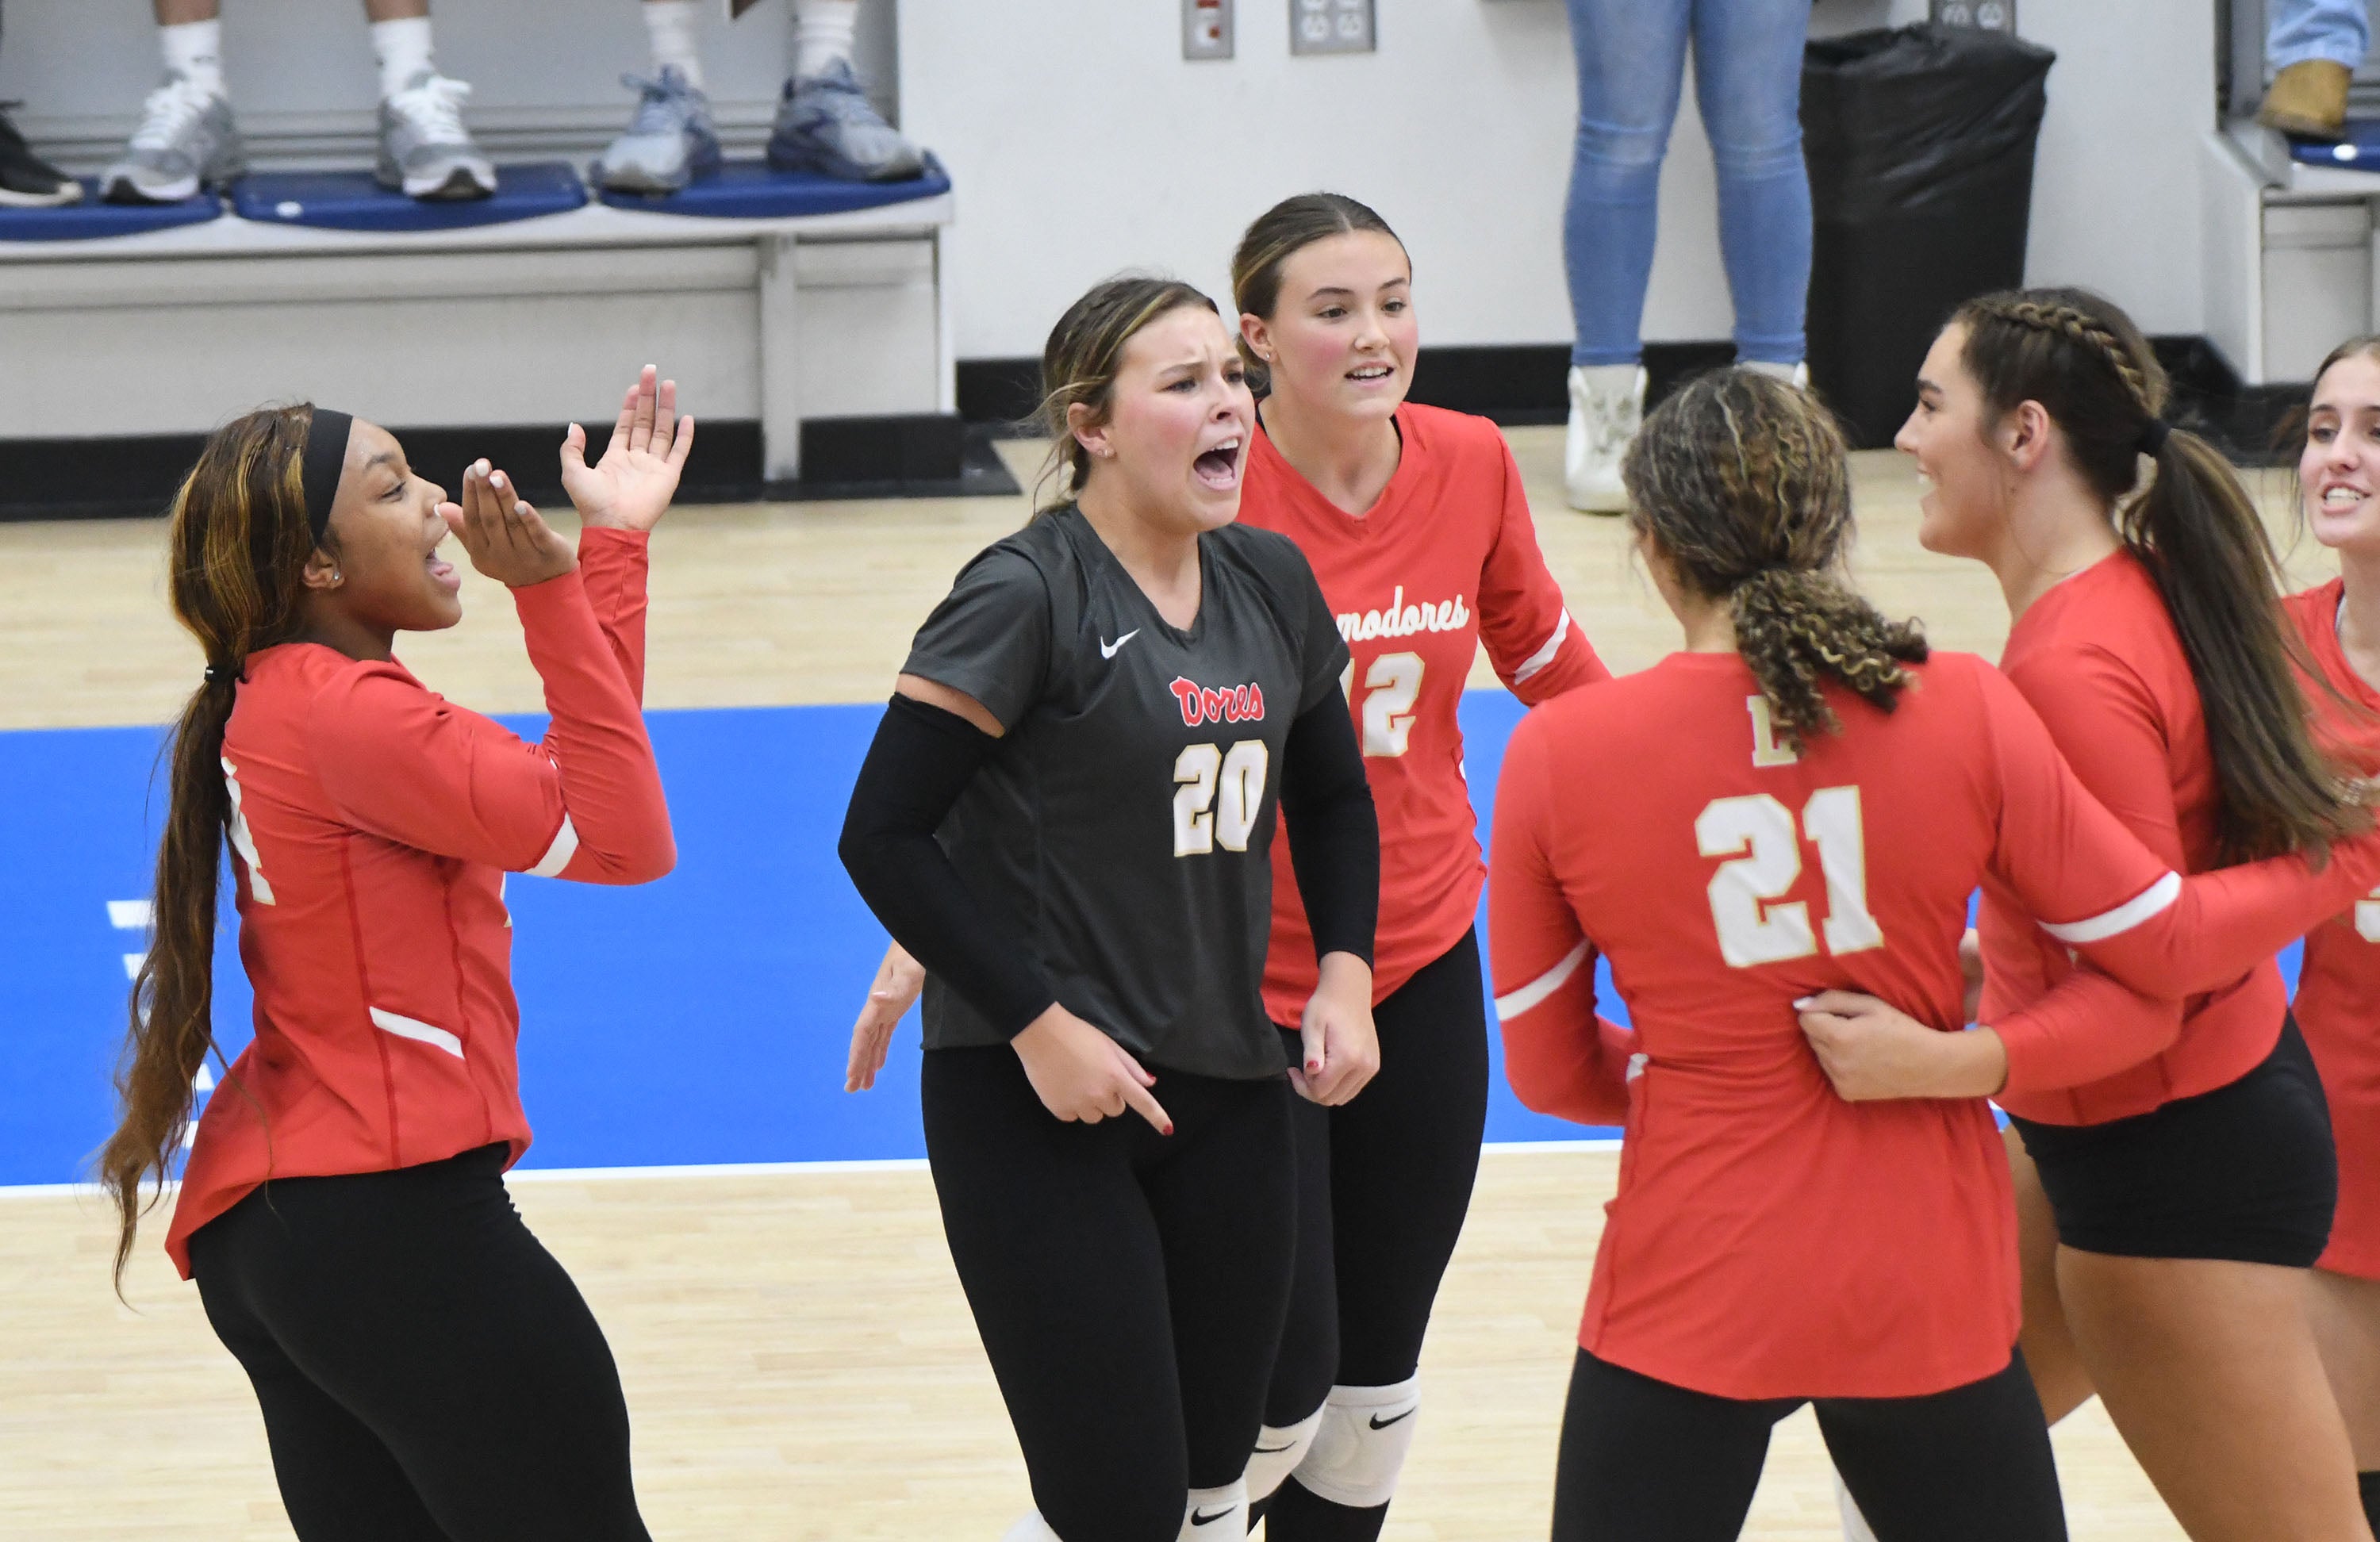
(825, 123)
(670, 141)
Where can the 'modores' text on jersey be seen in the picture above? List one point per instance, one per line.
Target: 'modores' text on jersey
(1125, 822)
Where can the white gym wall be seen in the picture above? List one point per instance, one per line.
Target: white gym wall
(1080, 142)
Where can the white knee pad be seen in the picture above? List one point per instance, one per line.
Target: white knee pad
(1031, 1528)
(1855, 1528)
(1212, 1514)
(1361, 1446)
(1278, 1451)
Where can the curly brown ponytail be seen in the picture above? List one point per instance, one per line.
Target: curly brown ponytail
(1743, 482)
(2195, 530)
(238, 544)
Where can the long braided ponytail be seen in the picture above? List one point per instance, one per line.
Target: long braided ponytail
(1743, 482)
(2198, 534)
(238, 543)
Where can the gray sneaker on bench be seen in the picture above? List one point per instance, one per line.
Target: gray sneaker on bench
(670, 141)
(825, 123)
(186, 140)
(424, 148)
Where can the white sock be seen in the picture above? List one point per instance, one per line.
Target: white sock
(403, 49)
(194, 49)
(675, 27)
(822, 29)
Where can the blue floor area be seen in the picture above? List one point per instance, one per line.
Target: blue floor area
(702, 1019)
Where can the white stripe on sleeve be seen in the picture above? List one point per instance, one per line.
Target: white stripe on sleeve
(558, 856)
(1514, 1003)
(1545, 655)
(421, 1032)
(2149, 902)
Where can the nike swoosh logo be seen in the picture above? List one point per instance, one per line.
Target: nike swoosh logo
(1108, 650)
(1198, 1520)
(1273, 1451)
(1379, 1423)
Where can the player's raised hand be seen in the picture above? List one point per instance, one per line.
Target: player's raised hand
(631, 486)
(1871, 1051)
(1081, 1073)
(898, 980)
(507, 539)
(1341, 1048)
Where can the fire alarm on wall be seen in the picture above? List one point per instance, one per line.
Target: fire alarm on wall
(1205, 29)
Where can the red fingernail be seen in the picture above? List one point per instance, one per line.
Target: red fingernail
(1168, 1129)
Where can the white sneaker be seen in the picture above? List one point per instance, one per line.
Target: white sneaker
(424, 148)
(1606, 402)
(1795, 375)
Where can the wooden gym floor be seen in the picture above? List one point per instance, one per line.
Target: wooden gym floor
(798, 1360)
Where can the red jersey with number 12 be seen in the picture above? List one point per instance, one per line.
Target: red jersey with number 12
(1446, 559)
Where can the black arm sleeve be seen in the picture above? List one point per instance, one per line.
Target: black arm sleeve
(921, 760)
(1334, 832)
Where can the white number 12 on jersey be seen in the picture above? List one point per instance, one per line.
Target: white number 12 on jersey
(1756, 832)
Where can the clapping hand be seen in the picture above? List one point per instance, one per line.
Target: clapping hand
(631, 486)
(507, 539)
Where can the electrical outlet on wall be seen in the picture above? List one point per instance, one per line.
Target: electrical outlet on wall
(1205, 29)
(1993, 16)
(1331, 27)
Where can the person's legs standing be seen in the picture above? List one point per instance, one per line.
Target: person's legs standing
(417, 1302)
(1969, 1464)
(1059, 1254)
(1748, 84)
(187, 139)
(1222, 1189)
(1308, 1362)
(1403, 1157)
(1630, 57)
(1641, 1457)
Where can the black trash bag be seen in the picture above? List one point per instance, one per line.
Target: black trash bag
(1920, 144)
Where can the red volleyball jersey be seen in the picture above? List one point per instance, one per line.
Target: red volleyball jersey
(2098, 657)
(2338, 990)
(1770, 1239)
(1446, 559)
(373, 825)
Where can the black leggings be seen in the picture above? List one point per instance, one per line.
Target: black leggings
(1129, 1286)
(1384, 1181)
(428, 1372)
(1644, 1460)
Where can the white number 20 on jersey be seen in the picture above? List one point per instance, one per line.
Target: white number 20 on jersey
(1217, 796)
(1765, 850)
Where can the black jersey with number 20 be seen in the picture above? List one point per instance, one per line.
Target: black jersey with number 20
(1125, 822)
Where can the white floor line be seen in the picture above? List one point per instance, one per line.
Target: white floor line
(757, 1170)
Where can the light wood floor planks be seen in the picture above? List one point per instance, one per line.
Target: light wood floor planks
(799, 1359)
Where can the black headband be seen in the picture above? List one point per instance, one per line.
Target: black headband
(2152, 441)
(325, 458)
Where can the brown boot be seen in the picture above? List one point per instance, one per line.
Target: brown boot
(2308, 98)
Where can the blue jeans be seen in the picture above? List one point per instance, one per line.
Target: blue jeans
(1632, 61)
(2297, 30)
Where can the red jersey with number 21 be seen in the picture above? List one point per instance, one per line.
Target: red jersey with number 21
(1770, 1239)
(1444, 560)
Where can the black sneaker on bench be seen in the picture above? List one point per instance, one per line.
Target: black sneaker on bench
(26, 180)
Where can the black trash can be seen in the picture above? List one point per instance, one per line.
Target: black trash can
(1919, 145)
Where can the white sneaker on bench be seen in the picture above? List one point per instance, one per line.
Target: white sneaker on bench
(424, 148)
(186, 140)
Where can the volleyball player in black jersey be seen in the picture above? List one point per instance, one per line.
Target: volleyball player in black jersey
(1066, 817)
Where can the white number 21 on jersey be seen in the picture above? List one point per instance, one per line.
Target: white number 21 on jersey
(1757, 834)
